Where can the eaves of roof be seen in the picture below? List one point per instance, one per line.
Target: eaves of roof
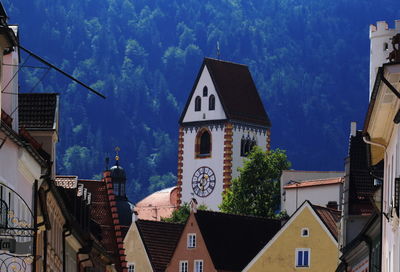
(10, 133)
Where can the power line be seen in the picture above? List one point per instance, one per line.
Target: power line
(19, 68)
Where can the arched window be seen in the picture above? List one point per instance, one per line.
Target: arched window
(205, 91)
(211, 102)
(203, 143)
(197, 103)
(246, 145)
(242, 146)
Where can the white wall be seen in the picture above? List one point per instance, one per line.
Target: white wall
(191, 164)
(380, 34)
(317, 195)
(205, 114)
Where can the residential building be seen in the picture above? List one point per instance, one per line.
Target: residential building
(290, 177)
(324, 192)
(222, 120)
(149, 245)
(213, 241)
(307, 242)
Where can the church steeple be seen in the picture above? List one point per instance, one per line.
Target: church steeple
(118, 177)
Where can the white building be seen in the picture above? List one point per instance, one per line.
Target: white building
(323, 192)
(382, 133)
(222, 120)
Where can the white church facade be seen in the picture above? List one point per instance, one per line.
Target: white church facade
(222, 120)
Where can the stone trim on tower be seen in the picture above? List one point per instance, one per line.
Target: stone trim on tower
(268, 139)
(227, 172)
(116, 223)
(180, 165)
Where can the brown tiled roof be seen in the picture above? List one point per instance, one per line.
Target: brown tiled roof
(233, 240)
(236, 90)
(37, 110)
(160, 240)
(330, 217)
(316, 182)
(100, 213)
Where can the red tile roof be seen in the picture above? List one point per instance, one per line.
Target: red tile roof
(160, 240)
(101, 214)
(330, 217)
(317, 182)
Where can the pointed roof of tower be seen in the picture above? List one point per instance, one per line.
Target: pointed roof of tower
(236, 90)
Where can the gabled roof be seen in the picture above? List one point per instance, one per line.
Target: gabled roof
(316, 182)
(327, 218)
(233, 240)
(330, 217)
(38, 110)
(160, 240)
(236, 90)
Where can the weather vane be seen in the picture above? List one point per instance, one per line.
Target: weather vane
(117, 149)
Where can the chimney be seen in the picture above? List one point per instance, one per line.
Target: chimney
(353, 129)
(332, 205)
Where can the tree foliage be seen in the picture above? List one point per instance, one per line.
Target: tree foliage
(182, 213)
(256, 190)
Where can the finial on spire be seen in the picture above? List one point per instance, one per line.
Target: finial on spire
(218, 50)
(117, 149)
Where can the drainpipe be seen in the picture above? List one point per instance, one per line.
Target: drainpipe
(381, 225)
(35, 191)
(65, 235)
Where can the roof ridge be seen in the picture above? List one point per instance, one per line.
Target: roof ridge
(325, 208)
(225, 61)
(161, 222)
(238, 215)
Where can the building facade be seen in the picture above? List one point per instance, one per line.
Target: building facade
(221, 122)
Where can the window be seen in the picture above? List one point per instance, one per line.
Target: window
(397, 195)
(116, 188)
(203, 143)
(183, 266)
(302, 257)
(191, 242)
(197, 103)
(198, 265)
(305, 232)
(246, 145)
(205, 91)
(211, 102)
(131, 267)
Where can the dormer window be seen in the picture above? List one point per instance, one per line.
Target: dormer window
(205, 91)
(211, 102)
(197, 104)
(203, 143)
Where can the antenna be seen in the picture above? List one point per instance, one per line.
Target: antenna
(117, 149)
(218, 50)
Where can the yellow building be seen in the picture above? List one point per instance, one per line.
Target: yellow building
(307, 242)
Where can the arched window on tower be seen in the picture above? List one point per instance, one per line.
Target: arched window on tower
(203, 144)
(205, 91)
(211, 102)
(197, 104)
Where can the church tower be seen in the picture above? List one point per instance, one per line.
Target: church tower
(222, 120)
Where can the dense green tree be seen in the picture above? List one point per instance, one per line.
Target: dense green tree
(256, 190)
(181, 215)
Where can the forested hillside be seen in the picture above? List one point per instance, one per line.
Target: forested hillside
(309, 59)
